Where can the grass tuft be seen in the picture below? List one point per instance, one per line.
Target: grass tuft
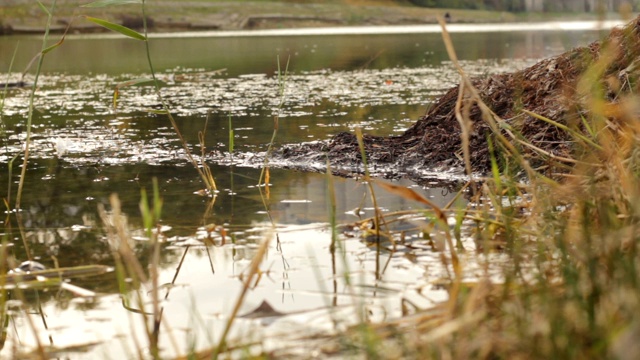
(570, 287)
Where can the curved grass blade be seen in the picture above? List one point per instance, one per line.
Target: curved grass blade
(105, 3)
(117, 28)
(44, 8)
(53, 46)
(59, 42)
(47, 50)
(563, 127)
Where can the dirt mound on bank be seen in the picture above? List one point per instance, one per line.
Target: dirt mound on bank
(551, 88)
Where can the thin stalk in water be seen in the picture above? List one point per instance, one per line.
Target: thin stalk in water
(282, 79)
(25, 161)
(205, 175)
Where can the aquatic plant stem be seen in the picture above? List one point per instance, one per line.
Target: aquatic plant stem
(378, 218)
(465, 127)
(282, 80)
(127, 265)
(335, 243)
(151, 217)
(2, 99)
(23, 172)
(10, 163)
(206, 177)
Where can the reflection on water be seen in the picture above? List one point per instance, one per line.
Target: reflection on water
(208, 282)
(250, 54)
(84, 150)
(62, 224)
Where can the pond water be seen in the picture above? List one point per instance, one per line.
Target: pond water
(84, 150)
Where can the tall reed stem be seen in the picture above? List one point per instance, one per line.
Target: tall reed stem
(206, 176)
(25, 161)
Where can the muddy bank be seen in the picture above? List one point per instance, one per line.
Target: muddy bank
(551, 88)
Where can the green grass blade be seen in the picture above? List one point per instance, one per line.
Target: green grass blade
(157, 200)
(117, 28)
(563, 127)
(495, 169)
(586, 125)
(231, 136)
(104, 3)
(51, 47)
(147, 217)
(54, 45)
(44, 8)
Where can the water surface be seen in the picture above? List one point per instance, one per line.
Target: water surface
(84, 149)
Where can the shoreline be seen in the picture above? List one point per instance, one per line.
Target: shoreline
(403, 29)
(165, 16)
(368, 30)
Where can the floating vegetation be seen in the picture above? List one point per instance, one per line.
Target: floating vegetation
(80, 125)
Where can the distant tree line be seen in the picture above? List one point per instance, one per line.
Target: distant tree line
(531, 5)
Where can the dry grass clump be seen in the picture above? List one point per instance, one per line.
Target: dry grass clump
(571, 288)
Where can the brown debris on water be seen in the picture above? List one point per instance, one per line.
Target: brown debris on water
(549, 88)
